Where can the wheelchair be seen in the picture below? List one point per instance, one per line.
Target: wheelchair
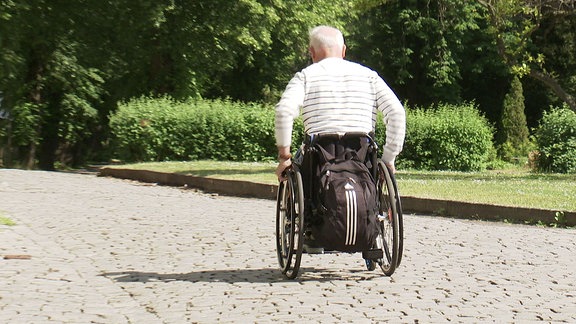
(292, 211)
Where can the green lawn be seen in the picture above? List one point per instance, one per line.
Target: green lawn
(519, 188)
(505, 187)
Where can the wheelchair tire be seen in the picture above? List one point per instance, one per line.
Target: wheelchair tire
(290, 224)
(400, 220)
(390, 239)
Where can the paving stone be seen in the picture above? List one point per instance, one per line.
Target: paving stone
(105, 250)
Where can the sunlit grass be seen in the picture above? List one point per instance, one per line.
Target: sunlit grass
(247, 171)
(6, 221)
(520, 188)
(516, 187)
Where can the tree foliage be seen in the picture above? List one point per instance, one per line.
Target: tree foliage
(521, 29)
(64, 66)
(50, 89)
(420, 47)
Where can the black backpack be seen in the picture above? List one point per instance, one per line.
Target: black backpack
(346, 210)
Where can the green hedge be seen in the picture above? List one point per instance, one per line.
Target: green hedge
(447, 137)
(556, 141)
(164, 129)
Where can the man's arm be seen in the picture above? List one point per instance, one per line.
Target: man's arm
(394, 117)
(287, 109)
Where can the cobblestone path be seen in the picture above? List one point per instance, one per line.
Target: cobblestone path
(104, 250)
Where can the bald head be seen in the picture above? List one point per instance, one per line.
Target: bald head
(326, 41)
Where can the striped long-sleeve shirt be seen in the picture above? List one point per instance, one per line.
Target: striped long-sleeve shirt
(339, 96)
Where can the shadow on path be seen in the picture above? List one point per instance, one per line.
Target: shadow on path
(243, 275)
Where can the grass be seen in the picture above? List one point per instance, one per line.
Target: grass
(517, 188)
(6, 221)
(511, 187)
(248, 171)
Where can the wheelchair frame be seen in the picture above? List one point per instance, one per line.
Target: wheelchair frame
(290, 219)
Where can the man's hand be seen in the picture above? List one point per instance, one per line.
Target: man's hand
(284, 158)
(391, 166)
(283, 165)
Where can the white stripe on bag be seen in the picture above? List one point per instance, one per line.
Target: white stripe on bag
(351, 217)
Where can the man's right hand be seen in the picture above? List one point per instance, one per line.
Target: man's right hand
(283, 165)
(391, 166)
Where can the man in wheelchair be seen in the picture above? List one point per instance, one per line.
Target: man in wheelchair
(339, 101)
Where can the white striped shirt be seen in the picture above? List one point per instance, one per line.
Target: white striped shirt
(339, 96)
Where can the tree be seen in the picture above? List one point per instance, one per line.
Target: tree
(418, 46)
(514, 24)
(63, 68)
(39, 75)
(264, 72)
(514, 128)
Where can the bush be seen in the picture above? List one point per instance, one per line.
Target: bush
(556, 141)
(448, 137)
(164, 129)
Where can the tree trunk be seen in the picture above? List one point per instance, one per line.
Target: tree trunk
(551, 83)
(30, 162)
(36, 71)
(9, 148)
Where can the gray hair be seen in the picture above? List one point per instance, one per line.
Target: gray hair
(326, 36)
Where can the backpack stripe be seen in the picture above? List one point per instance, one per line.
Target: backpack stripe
(351, 217)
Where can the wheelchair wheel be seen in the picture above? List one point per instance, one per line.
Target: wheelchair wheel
(390, 239)
(290, 224)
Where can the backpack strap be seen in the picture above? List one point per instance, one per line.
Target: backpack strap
(347, 147)
(363, 151)
(328, 157)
